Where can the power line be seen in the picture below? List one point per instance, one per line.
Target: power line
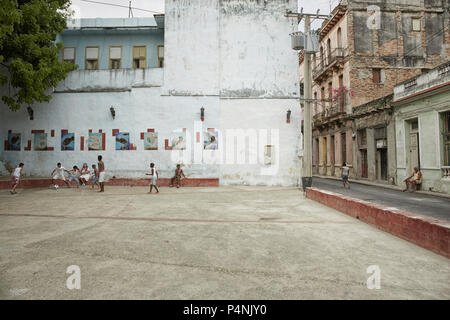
(121, 6)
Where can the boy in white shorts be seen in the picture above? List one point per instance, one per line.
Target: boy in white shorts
(101, 174)
(15, 178)
(58, 174)
(154, 175)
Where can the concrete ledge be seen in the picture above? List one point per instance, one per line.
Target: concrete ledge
(163, 182)
(429, 233)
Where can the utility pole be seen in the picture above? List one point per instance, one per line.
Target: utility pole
(307, 99)
(307, 128)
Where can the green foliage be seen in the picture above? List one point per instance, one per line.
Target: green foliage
(28, 50)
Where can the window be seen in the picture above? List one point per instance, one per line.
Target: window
(414, 125)
(416, 25)
(268, 155)
(92, 58)
(322, 97)
(115, 57)
(362, 138)
(446, 137)
(302, 89)
(140, 57)
(315, 102)
(69, 54)
(160, 56)
(376, 73)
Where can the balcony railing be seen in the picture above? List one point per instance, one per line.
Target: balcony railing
(336, 109)
(445, 172)
(327, 60)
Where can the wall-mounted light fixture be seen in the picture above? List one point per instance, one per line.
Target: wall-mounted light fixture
(202, 113)
(113, 112)
(288, 116)
(30, 112)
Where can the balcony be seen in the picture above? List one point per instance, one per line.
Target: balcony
(333, 59)
(334, 113)
(117, 80)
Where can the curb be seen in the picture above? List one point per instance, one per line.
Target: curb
(163, 182)
(429, 233)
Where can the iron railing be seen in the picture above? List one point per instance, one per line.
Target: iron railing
(328, 59)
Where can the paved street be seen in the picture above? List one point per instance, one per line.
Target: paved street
(202, 243)
(432, 206)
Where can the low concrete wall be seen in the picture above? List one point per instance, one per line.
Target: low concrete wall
(163, 182)
(429, 233)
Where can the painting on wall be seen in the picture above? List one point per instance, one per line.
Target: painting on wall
(122, 141)
(210, 140)
(14, 141)
(178, 140)
(95, 141)
(40, 141)
(151, 141)
(67, 141)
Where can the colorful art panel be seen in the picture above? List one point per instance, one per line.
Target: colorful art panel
(151, 141)
(122, 141)
(178, 140)
(40, 141)
(210, 140)
(95, 141)
(14, 141)
(67, 141)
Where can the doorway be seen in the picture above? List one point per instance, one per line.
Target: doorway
(414, 148)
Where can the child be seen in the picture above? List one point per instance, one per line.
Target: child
(178, 173)
(345, 172)
(15, 178)
(74, 175)
(101, 174)
(154, 175)
(95, 176)
(84, 178)
(59, 174)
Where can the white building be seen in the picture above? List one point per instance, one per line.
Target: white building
(233, 58)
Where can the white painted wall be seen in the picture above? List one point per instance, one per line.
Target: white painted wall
(234, 60)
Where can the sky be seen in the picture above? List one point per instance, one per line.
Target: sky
(84, 9)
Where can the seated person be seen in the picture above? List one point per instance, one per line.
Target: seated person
(415, 179)
(178, 173)
(84, 178)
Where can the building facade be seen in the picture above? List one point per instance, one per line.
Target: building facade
(207, 85)
(366, 48)
(422, 123)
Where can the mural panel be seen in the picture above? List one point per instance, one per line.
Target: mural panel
(67, 141)
(14, 141)
(151, 141)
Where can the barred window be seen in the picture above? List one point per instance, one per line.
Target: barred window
(446, 137)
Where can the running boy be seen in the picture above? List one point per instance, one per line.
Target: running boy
(101, 174)
(154, 175)
(15, 178)
(345, 172)
(59, 174)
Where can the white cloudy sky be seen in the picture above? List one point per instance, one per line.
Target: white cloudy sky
(86, 9)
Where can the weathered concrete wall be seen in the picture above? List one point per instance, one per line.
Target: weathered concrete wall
(427, 111)
(231, 57)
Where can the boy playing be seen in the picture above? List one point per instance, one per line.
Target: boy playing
(15, 178)
(59, 174)
(178, 173)
(74, 175)
(101, 174)
(154, 175)
(95, 176)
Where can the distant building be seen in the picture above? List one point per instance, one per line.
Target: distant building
(366, 48)
(179, 87)
(422, 123)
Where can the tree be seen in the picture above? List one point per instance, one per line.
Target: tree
(29, 53)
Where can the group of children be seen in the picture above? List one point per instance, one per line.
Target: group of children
(97, 176)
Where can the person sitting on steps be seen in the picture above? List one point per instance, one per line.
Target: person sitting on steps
(178, 173)
(415, 179)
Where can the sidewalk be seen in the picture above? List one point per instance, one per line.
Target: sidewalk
(424, 203)
(386, 186)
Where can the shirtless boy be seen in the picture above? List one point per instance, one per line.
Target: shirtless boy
(178, 173)
(101, 174)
